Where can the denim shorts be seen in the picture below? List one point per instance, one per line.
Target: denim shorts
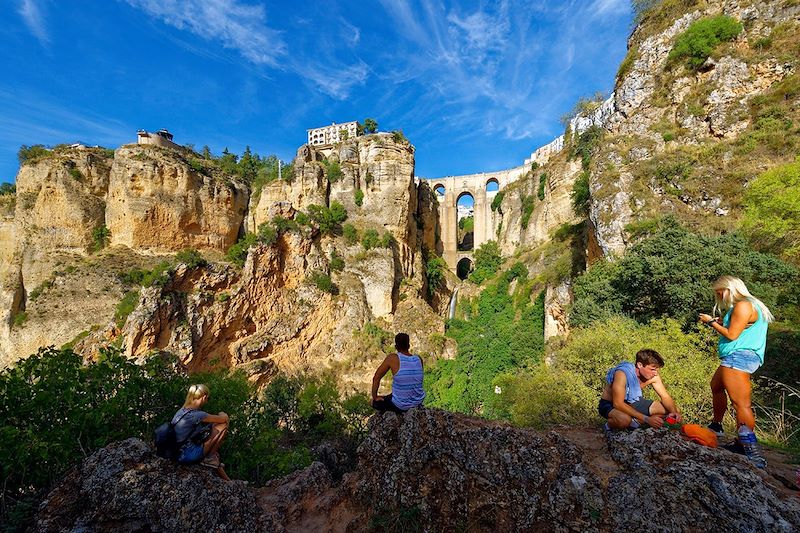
(191, 453)
(744, 360)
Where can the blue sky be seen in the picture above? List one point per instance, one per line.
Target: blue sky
(475, 86)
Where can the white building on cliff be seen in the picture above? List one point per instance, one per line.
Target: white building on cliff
(333, 134)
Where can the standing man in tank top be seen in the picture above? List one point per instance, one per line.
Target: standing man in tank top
(407, 375)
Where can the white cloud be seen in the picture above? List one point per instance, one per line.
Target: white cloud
(31, 13)
(236, 25)
(602, 7)
(334, 80)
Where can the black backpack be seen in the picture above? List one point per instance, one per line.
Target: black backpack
(165, 440)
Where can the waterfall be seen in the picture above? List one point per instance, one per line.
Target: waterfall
(452, 313)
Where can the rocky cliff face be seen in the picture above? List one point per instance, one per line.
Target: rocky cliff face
(268, 317)
(441, 471)
(157, 202)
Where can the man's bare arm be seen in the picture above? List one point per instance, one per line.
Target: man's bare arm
(666, 399)
(376, 379)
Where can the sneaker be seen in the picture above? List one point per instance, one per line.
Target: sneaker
(716, 427)
(751, 449)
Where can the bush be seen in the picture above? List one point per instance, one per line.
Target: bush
(237, 254)
(527, 210)
(125, 307)
(467, 224)
(399, 137)
(7, 188)
(670, 274)
(329, 219)
(39, 289)
(359, 197)
(387, 240)
(323, 282)
(191, 258)
(350, 233)
(370, 239)
(29, 154)
(101, 236)
(497, 201)
(542, 183)
(283, 225)
(333, 170)
(76, 174)
(700, 39)
(487, 262)
(20, 318)
(581, 195)
(336, 262)
(772, 211)
(146, 278)
(267, 234)
(435, 269)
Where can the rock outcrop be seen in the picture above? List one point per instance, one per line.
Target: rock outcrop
(157, 202)
(442, 471)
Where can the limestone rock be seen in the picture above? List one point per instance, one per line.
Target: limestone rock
(157, 202)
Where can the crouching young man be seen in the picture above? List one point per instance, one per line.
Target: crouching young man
(622, 403)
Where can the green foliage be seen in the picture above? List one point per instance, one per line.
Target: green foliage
(670, 274)
(690, 359)
(267, 234)
(772, 210)
(487, 262)
(359, 197)
(350, 233)
(101, 236)
(387, 240)
(30, 154)
(197, 165)
(333, 170)
(467, 224)
(125, 307)
(581, 195)
(336, 262)
(627, 63)
(435, 269)
(323, 282)
(237, 254)
(76, 174)
(370, 126)
(497, 201)
(39, 289)
(54, 411)
(585, 144)
(329, 219)
(283, 225)
(586, 105)
(147, 278)
(502, 332)
(191, 258)
(399, 137)
(527, 210)
(542, 184)
(700, 39)
(370, 239)
(7, 188)
(20, 318)
(376, 338)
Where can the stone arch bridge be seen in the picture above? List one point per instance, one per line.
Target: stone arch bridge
(450, 190)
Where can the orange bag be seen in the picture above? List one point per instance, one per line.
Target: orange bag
(699, 434)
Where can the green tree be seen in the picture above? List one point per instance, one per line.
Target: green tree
(487, 262)
(370, 239)
(435, 270)
(101, 236)
(191, 258)
(350, 233)
(31, 153)
(359, 199)
(329, 219)
(7, 188)
(370, 126)
(206, 153)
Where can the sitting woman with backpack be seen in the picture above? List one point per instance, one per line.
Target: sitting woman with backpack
(199, 434)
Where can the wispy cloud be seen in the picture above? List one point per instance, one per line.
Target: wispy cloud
(31, 13)
(236, 25)
(602, 7)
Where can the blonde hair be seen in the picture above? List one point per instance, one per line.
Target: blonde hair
(195, 392)
(737, 292)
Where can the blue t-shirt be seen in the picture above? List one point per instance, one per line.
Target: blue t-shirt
(185, 424)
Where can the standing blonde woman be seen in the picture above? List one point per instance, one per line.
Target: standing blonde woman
(742, 341)
(199, 434)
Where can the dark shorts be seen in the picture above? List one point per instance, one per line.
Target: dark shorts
(605, 406)
(386, 405)
(191, 453)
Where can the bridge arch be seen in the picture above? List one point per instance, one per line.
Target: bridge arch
(465, 220)
(464, 267)
(483, 188)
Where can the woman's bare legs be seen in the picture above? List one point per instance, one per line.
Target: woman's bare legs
(737, 384)
(719, 396)
(212, 445)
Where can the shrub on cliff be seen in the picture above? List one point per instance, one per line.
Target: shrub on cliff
(191, 258)
(497, 201)
(435, 270)
(237, 253)
(329, 219)
(30, 154)
(101, 236)
(333, 170)
(7, 188)
(700, 39)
